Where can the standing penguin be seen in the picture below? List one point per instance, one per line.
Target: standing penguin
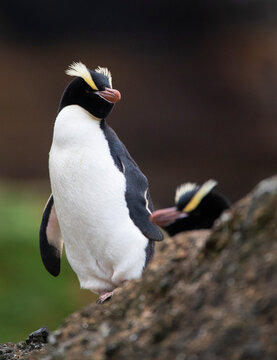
(100, 202)
(196, 207)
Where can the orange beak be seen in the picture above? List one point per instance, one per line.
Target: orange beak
(110, 95)
(165, 217)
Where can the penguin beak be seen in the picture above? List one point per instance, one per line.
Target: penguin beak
(110, 95)
(165, 217)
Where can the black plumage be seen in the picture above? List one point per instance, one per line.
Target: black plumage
(203, 217)
(175, 220)
(137, 193)
(50, 253)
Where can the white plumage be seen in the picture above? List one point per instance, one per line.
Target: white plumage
(105, 71)
(184, 188)
(102, 243)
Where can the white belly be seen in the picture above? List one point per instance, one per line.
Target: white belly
(103, 245)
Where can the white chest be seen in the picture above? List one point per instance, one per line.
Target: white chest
(101, 240)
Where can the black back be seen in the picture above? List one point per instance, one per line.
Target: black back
(136, 186)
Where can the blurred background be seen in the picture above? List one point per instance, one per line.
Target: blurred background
(198, 81)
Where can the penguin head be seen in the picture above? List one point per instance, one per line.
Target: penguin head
(189, 196)
(90, 89)
(188, 203)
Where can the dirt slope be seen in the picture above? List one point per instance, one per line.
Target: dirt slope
(208, 295)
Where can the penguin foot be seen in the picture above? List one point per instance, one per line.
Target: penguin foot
(104, 297)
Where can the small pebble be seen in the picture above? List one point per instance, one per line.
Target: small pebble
(133, 337)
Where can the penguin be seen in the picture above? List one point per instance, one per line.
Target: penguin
(196, 207)
(100, 203)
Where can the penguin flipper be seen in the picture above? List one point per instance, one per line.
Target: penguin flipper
(137, 193)
(154, 233)
(50, 239)
(139, 200)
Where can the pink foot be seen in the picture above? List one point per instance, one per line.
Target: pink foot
(104, 297)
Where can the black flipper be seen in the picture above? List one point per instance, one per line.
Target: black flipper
(137, 193)
(50, 238)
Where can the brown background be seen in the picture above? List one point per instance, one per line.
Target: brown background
(198, 83)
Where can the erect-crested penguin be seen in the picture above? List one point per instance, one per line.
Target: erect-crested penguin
(196, 207)
(100, 202)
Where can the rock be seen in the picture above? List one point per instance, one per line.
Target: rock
(207, 295)
(38, 336)
(252, 350)
(35, 341)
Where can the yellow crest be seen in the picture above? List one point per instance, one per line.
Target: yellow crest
(79, 69)
(201, 193)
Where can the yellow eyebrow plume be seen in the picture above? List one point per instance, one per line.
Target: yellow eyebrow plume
(201, 193)
(79, 69)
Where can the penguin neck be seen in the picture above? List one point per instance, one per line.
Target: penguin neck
(75, 126)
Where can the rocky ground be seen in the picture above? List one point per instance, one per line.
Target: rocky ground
(207, 295)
